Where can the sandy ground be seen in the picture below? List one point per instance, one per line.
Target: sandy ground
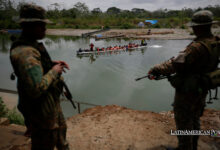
(133, 33)
(10, 100)
(118, 128)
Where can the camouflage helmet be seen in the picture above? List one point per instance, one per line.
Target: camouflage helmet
(32, 13)
(203, 17)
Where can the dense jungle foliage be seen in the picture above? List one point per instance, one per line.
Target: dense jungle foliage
(80, 17)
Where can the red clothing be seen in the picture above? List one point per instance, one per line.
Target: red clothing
(91, 47)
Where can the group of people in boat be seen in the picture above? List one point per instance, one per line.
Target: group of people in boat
(116, 47)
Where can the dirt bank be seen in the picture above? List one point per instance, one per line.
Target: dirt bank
(133, 33)
(119, 128)
(10, 100)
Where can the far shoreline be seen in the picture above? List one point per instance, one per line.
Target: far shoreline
(156, 34)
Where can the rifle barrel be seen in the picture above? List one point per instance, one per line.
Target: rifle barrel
(141, 78)
(151, 76)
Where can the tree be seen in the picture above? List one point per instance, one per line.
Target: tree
(82, 8)
(96, 11)
(113, 11)
(158, 13)
(7, 10)
(72, 13)
(56, 6)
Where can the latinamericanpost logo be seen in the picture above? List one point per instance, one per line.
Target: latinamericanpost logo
(213, 133)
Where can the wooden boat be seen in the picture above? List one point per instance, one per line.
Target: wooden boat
(105, 50)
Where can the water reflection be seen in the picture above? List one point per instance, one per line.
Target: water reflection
(109, 78)
(5, 43)
(52, 39)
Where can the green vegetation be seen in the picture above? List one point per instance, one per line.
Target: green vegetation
(80, 17)
(3, 109)
(15, 117)
(12, 115)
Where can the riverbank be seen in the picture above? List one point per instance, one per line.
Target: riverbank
(166, 34)
(118, 128)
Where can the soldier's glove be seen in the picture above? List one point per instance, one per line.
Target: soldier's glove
(154, 71)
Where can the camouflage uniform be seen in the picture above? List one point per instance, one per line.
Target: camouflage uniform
(39, 88)
(190, 68)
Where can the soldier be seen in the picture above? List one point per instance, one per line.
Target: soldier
(39, 82)
(190, 80)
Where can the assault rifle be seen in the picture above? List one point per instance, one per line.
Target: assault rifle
(68, 94)
(150, 76)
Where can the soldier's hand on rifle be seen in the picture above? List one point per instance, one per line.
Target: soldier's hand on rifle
(62, 63)
(153, 73)
(58, 68)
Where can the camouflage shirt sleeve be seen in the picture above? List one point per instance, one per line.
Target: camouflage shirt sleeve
(166, 68)
(31, 73)
(192, 59)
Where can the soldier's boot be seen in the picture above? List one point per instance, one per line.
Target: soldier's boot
(63, 147)
(185, 142)
(62, 142)
(195, 142)
(196, 126)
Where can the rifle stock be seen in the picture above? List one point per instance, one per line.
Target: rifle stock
(68, 94)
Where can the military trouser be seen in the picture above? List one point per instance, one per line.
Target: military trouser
(48, 139)
(188, 108)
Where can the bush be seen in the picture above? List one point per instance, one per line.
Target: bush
(183, 26)
(12, 115)
(157, 25)
(3, 109)
(15, 117)
(126, 26)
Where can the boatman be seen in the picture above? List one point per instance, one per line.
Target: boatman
(39, 82)
(190, 80)
(91, 46)
(143, 42)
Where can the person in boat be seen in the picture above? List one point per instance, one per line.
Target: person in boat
(129, 45)
(126, 47)
(91, 46)
(149, 32)
(143, 42)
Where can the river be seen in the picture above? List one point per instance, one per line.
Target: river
(107, 79)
